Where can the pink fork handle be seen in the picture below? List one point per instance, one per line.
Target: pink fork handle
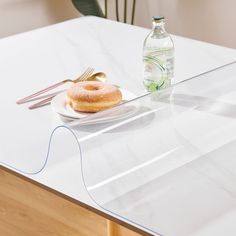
(23, 100)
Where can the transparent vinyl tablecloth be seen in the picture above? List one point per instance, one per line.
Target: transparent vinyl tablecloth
(167, 165)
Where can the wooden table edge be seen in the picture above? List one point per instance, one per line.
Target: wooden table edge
(110, 219)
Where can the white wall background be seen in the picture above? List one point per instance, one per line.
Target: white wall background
(208, 20)
(23, 15)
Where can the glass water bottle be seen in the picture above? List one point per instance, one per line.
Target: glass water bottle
(158, 57)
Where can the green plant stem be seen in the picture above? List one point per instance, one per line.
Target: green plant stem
(125, 11)
(133, 12)
(117, 11)
(106, 8)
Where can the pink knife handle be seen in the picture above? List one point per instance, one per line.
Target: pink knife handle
(23, 100)
(42, 103)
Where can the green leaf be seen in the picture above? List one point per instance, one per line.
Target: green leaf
(88, 7)
(152, 87)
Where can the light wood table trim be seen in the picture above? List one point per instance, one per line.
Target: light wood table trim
(30, 208)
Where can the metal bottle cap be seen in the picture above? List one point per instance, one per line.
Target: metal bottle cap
(158, 19)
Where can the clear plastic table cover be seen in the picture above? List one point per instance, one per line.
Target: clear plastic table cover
(167, 162)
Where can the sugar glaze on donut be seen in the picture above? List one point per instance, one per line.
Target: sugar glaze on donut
(93, 96)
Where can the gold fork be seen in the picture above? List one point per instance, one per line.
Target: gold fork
(87, 73)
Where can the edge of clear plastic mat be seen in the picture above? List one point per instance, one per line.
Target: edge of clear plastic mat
(70, 128)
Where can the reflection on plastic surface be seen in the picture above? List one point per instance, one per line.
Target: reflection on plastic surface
(170, 161)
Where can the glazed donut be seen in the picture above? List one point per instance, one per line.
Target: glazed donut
(92, 96)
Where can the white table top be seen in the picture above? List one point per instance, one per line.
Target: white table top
(42, 57)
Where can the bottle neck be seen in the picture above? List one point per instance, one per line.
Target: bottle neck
(159, 27)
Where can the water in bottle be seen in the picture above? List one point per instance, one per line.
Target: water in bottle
(158, 57)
